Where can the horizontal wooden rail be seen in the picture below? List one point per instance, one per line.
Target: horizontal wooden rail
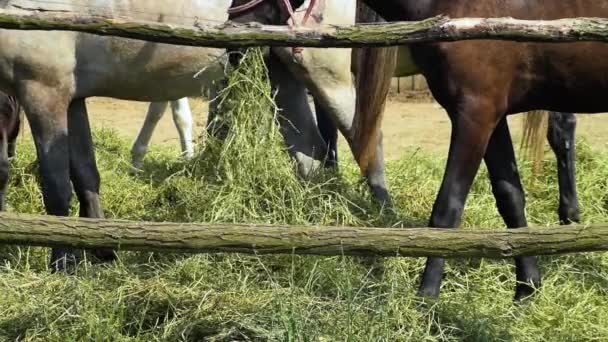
(232, 35)
(266, 239)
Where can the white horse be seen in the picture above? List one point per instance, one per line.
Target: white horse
(52, 73)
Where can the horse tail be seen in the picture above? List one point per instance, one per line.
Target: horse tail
(533, 138)
(374, 69)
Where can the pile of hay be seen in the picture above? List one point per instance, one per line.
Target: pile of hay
(243, 172)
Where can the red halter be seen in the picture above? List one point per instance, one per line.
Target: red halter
(284, 4)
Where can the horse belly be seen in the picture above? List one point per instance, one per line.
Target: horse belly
(570, 78)
(143, 71)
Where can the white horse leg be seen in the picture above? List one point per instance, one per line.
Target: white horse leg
(182, 118)
(140, 147)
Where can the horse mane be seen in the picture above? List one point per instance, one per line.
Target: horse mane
(374, 69)
(533, 138)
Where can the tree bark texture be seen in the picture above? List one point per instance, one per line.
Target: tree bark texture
(439, 28)
(54, 231)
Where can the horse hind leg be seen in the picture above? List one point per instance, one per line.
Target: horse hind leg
(510, 201)
(140, 146)
(182, 118)
(560, 134)
(46, 109)
(83, 168)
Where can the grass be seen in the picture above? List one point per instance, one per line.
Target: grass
(174, 297)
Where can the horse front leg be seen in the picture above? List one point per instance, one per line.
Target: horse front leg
(472, 127)
(83, 168)
(560, 134)
(510, 201)
(46, 109)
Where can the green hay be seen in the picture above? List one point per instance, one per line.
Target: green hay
(243, 172)
(168, 297)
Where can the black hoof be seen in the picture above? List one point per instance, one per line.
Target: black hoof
(382, 196)
(524, 291)
(375, 265)
(104, 254)
(428, 292)
(64, 260)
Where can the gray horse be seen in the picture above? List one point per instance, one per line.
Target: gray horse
(52, 73)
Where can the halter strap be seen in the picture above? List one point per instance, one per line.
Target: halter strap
(253, 3)
(244, 7)
(287, 4)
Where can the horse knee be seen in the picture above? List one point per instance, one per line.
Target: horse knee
(447, 213)
(560, 132)
(510, 200)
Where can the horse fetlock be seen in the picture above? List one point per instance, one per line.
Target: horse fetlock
(65, 260)
(569, 212)
(380, 193)
(105, 254)
(138, 153)
(307, 165)
(527, 276)
(188, 153)
(432, 277)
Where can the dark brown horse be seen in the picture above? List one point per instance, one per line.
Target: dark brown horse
(479, 83)
(10, 123)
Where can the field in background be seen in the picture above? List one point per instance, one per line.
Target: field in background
(421, 125)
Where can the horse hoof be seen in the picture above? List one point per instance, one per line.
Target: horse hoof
(63, 261)
(524, 291)
(104, 254)
(381, 195)
(428, 293)
(135, 169)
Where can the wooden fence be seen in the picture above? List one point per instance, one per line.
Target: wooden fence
(54, 231)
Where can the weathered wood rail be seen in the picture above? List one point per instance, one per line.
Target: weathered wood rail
(232, 35)
(54, 231)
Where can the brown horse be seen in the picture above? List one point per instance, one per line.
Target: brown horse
(479, 83)
(9, 130)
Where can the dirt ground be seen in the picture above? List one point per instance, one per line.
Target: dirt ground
(424, 125)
